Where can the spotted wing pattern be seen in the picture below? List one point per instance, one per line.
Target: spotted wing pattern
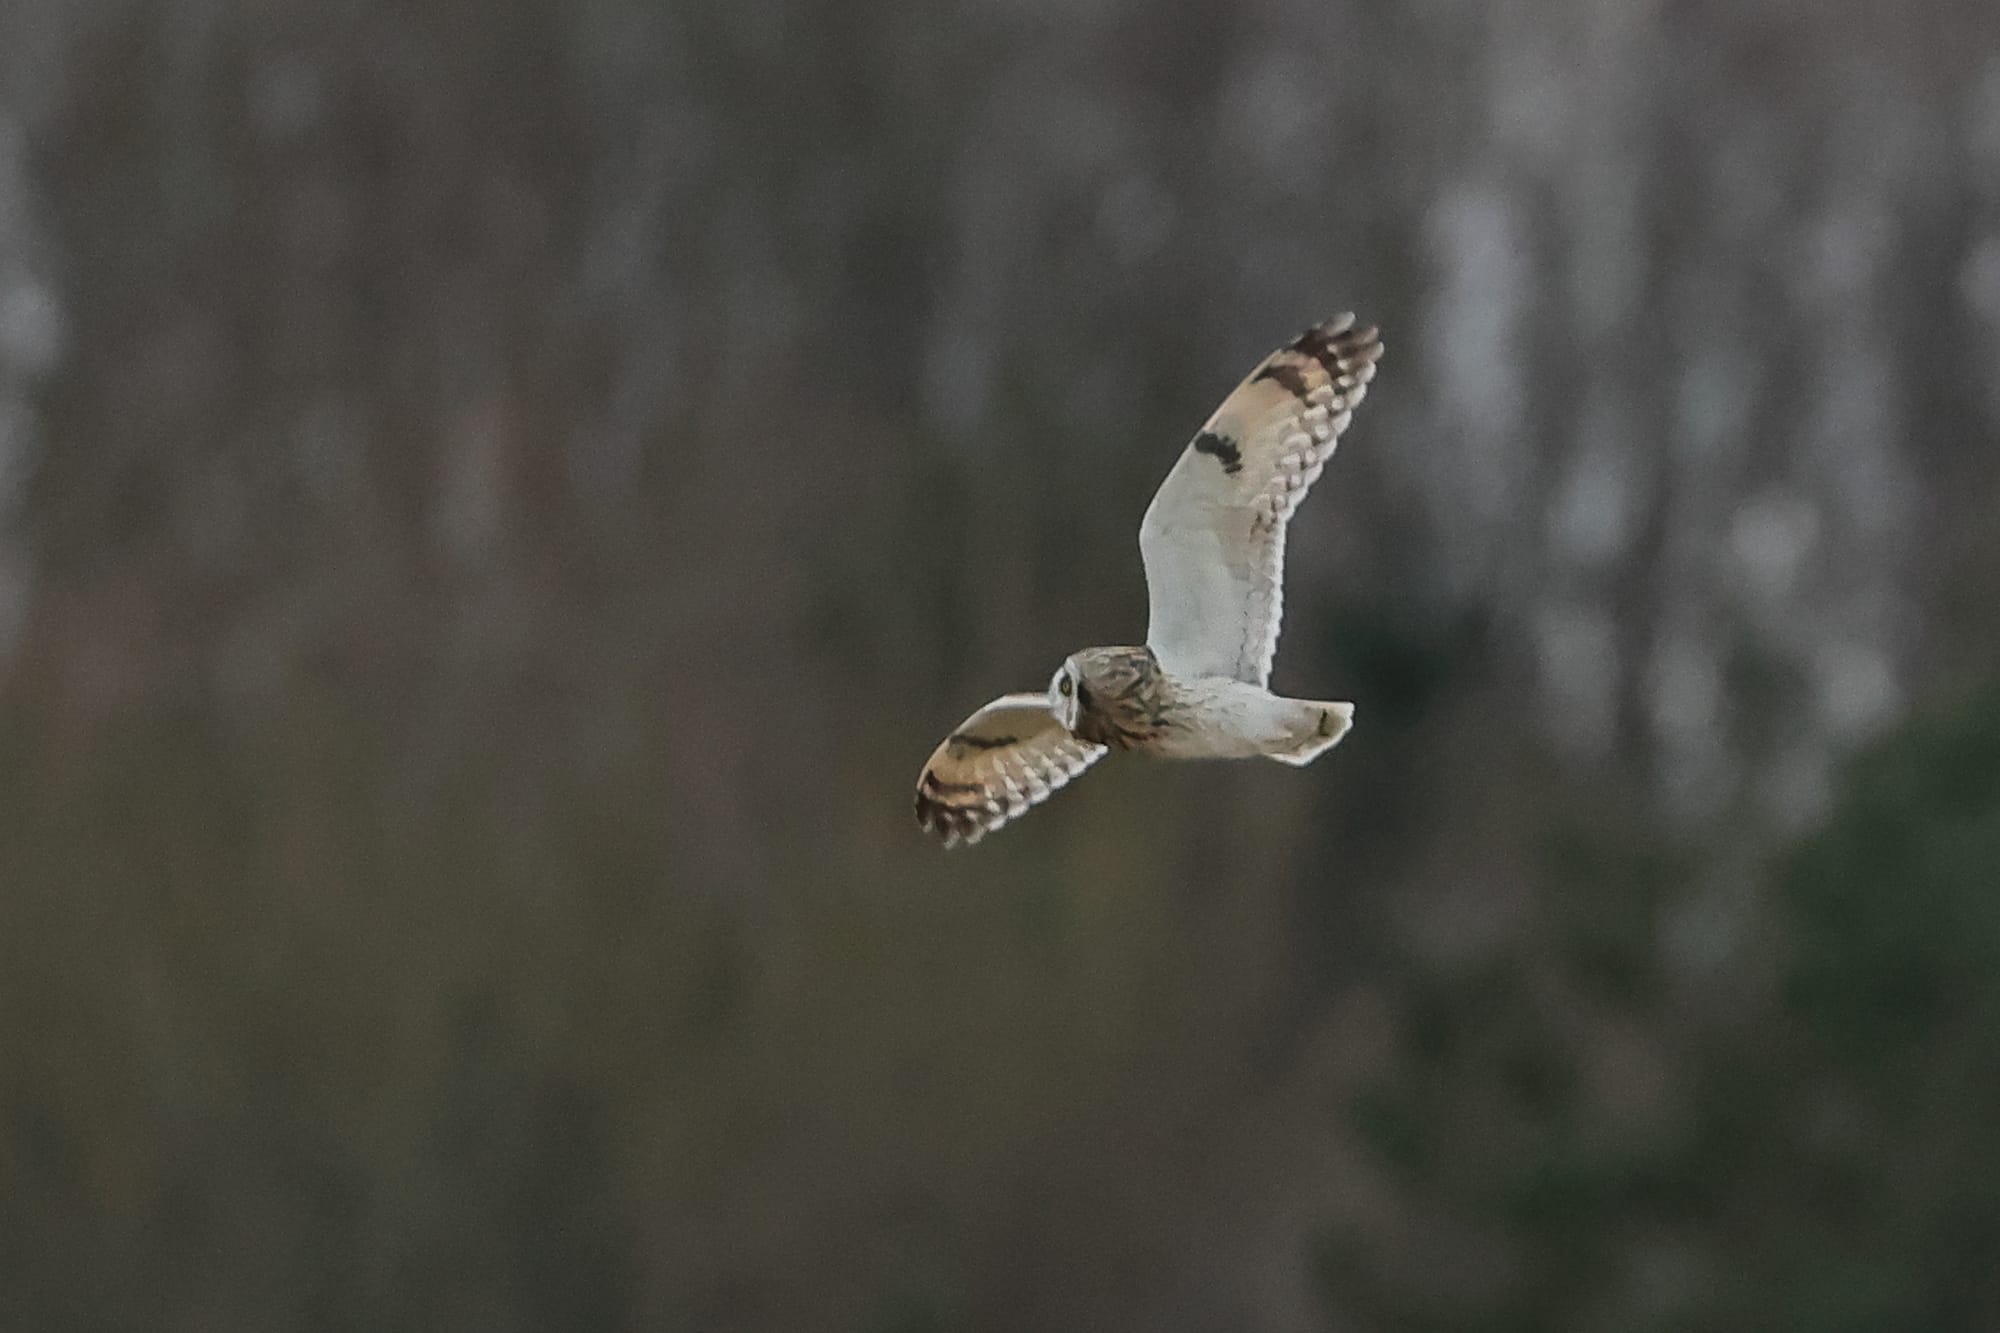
(1213, 539)
(1007, 757)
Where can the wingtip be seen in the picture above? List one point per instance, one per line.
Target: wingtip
(952, 826)
(1342, 327)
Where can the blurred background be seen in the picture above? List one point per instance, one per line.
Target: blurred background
(498, 500)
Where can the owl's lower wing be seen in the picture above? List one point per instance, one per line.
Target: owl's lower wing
(1006, 758)
(1213, 539)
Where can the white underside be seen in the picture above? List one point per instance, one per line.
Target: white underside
(1217, 718)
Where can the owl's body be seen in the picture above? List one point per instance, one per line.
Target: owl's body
(1124, 700)
(1213, 541)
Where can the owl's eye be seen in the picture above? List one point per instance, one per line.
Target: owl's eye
(1064, 687)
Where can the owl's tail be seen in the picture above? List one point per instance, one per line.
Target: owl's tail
(1323, 726)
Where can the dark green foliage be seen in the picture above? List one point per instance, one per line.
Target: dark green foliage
(1898, 904)
(1827, 1162)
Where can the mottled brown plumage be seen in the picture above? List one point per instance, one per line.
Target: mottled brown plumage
(1121, 697)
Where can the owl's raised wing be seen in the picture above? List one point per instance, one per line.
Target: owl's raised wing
(1213, 539)
(1010, 755)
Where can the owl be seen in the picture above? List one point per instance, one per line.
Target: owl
(1213, 543)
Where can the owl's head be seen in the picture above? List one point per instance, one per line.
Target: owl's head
(1066, 693)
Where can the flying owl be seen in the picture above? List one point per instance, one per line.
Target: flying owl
(1213, 543)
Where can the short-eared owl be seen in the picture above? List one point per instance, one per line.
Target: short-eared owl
(1213, 542)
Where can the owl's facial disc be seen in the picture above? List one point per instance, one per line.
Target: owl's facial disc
(1062, 696)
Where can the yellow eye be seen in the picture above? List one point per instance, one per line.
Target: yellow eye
(1064, 687)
